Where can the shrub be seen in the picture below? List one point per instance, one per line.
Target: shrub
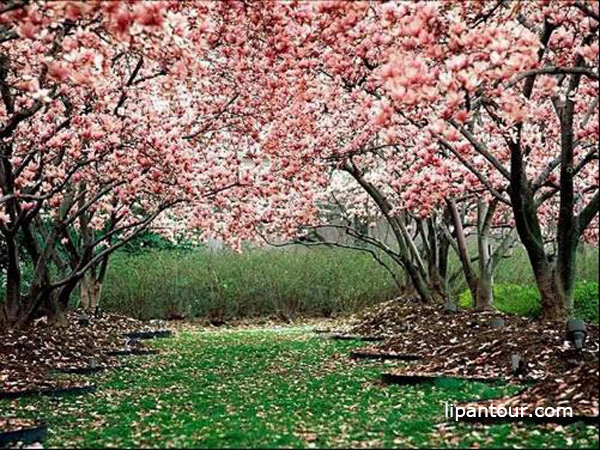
(586, 301)
(259, 282)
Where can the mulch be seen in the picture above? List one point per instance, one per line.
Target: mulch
(578, 390)
(30, 358)
(469, 344)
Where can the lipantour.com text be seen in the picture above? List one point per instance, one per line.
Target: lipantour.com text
(459, 412)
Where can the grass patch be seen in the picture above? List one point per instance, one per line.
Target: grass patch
(525, 300)
(271, 388)
(516, 268)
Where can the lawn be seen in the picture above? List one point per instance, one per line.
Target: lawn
(271, 387)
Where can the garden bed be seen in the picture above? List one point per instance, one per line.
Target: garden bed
(577, 391)
(29, 358)
(472, 345)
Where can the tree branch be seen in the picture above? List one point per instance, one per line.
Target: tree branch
(475, 172)
(555, 70)
(219, 114)
(587, 214)
(480, 147)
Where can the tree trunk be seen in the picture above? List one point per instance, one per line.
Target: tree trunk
(564, 274)
(483, 299)
(408, 256)
(9, 313)
(90, 291)
(463, 253)
(421, 286)
(407, 288)
(438, 287)
(58, 317)
(553, 299)
(484, 296)
(30, 306)
(444, 253)
(436, 266)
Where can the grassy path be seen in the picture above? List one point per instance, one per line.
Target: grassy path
(270, 388)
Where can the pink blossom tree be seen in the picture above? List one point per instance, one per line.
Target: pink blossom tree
(235, 118)
(104, 108)
(507, 91)
(333, 116)
(517, 87)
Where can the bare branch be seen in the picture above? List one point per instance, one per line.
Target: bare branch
(592, 155)
(481, 148)
(373, 253)
(11, 6)
(478, 174)
(130, 81)
(587, 214)
(555, 70)
(142, 225)
(22, 115)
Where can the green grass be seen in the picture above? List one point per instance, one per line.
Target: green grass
(320, 282)
(524, 300)
(271, 388)
(516, 269)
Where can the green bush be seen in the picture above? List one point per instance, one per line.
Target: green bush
(258, 282)
(586, 301)
(525, 300)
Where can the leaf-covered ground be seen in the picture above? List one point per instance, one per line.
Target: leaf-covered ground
(483, 344)
(284, 387)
